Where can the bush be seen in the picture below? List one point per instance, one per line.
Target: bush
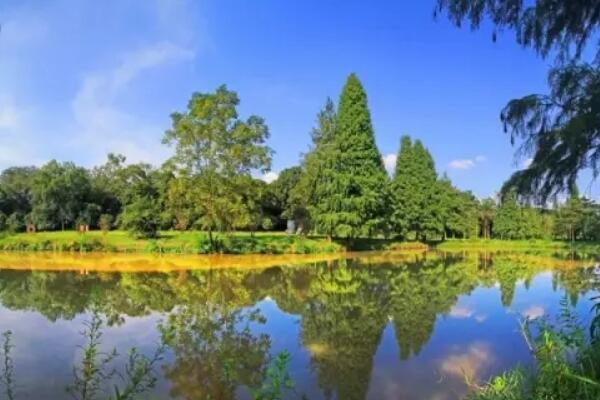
(15, 222)
(142, 217)
(105, 222)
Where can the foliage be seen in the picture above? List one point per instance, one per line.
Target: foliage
(60, 194)
(142, 217)
(312, 195)
(567, 365)
(277, 379)
(217, 150)
(558, 130)
(105, 222)
(345, 181)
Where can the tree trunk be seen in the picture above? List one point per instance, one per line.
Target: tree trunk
(211, 240)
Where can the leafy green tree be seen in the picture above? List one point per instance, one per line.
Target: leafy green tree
(507, 221)
(15, 222)
(60, 194)
(282, 189)
(105, 222)
(559, 129)
(487, 212)
(571, 216)
(215, 147)
(180, 203)
(457, 210)
(108, 184)
(15, 189)
(142, 217)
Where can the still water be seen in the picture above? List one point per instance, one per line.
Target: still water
(404, 326)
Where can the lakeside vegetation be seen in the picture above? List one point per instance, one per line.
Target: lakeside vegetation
(341, 192)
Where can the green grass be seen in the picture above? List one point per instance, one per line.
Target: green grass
(189, 242)
(580, 247)
(194, 242)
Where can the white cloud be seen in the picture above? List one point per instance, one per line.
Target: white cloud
(526, 163)
(461, 312)
(101, 126)
(461, 164)
(269, 176)
(466, 163)
(471, 363)
(533, 312)
(389, 160)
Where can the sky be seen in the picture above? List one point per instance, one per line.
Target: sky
(79, 79)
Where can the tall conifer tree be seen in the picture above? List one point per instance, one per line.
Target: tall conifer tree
(415, 193)
(358, 179)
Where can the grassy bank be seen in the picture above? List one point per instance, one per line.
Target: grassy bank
(191, 242)
(578, 247)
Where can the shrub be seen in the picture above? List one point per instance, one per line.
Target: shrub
(142, 217)
(15, 222)
(105, 222)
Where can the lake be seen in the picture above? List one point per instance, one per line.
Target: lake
(375, 326)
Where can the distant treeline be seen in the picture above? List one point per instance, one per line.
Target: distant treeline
(341, 189)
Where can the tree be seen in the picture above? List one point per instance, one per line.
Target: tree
(142, 217)
(558, 130)
(15, 189)
(311, 197)
(214, 147)
(416, 195)
(508, 216)
(282, 189)
(60, 194)
(353, 184)
(180, 203)
(487, 213)
(404, 206)
(457, 210)
(571, 216)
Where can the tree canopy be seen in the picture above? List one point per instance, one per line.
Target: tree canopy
(559, 130)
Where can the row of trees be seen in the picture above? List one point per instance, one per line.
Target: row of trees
(341, 188)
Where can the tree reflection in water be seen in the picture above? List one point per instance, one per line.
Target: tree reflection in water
(211, 318)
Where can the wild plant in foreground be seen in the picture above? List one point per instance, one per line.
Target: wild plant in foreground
(6, 379)
(95, 371)
(567, 364)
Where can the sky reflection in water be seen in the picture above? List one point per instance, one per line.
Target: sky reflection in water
(380, 327)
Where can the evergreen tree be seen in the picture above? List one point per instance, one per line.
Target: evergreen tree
(405, 208)
(311, 198)
(351, 191)
(416, 196)
(506, 223)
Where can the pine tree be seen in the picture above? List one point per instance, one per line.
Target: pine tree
(508, 218)
(352, 191)
(312, 197)
(430, 221)
(404, 206)
(416, 195)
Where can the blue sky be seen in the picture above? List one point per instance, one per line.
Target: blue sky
(82, 78)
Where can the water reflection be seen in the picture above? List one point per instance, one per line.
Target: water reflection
(221, 340)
